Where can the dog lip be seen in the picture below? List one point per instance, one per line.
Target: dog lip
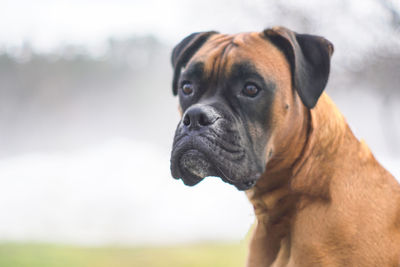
(191, 166)
(191, 181)
(187, 178)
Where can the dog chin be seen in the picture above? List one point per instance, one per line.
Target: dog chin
(192, 167)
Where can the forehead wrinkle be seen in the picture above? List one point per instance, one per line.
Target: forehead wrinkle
(225, 61)
(213, 54)
(226, 57)
(229, 56)
(240, 39)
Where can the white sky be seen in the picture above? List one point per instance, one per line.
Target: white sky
(47, 23)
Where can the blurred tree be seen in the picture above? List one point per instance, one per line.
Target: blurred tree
(72, 96)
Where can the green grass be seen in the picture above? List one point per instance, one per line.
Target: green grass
(46, 255)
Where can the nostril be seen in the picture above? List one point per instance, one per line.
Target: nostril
(186, 120)
(199, 116)
(204, 120)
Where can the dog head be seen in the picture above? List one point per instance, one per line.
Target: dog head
(238, 96)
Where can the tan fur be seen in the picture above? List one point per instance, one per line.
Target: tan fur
(324, 200)
(336, 207)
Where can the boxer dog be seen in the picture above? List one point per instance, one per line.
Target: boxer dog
(254, 113)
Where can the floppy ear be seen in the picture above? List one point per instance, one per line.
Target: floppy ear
(309, 57)
(184, 51)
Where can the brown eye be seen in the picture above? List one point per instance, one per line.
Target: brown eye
(187, 88)
(250, 90)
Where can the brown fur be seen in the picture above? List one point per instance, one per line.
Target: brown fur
(324, 200)
(336, 205)
(333, 205)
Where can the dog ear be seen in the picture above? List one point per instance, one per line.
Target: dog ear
(183, 51)
(309, 57)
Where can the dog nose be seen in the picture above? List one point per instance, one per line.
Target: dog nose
(199, 116)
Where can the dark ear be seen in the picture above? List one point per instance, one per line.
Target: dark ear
(184, 51)
(309, 57)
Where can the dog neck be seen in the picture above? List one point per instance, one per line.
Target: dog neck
(304, 168)
(329, 142)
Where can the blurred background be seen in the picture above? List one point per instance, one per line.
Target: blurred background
(87, 119)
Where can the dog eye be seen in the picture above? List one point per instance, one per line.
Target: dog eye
(250, 90)
(187, 88)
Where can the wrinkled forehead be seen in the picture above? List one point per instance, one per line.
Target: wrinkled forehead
(225, 53)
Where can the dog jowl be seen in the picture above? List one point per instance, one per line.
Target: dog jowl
(234, 93)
